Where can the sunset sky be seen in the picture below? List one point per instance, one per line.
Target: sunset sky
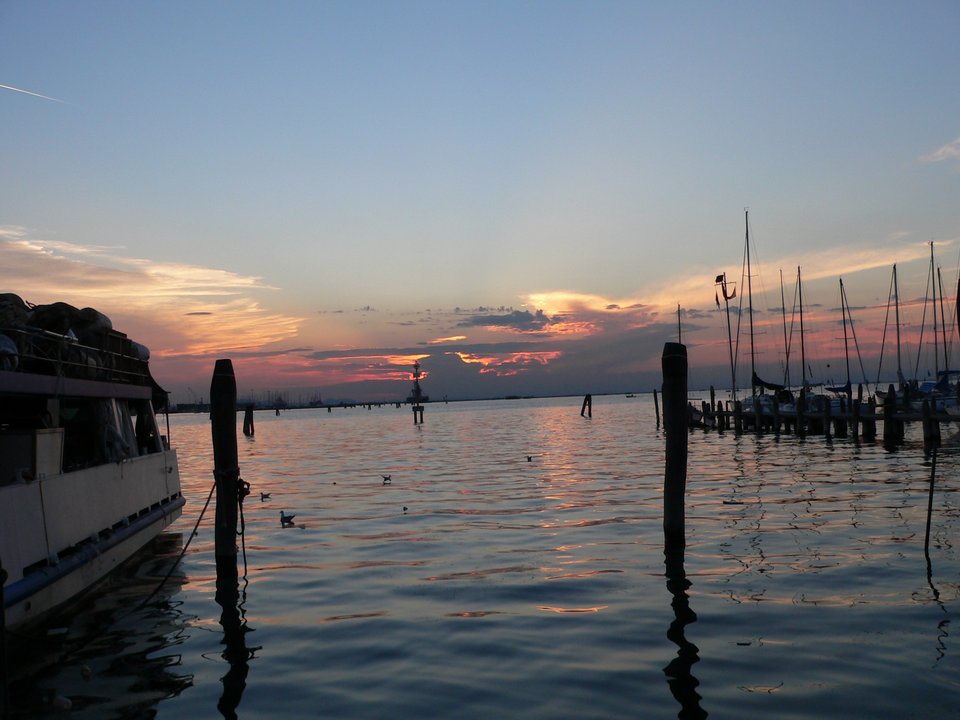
(518, 194)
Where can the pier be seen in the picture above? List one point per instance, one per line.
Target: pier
(846, 417)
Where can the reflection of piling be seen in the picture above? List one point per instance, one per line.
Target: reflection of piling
(674, 364)
(679, 671)
(248, 421)
(223, 422)
(587, 406)
(417, 414)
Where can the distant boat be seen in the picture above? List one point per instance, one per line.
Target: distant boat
(630, 395)
(86, 477)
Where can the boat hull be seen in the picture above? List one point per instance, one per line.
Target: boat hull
(63, 533)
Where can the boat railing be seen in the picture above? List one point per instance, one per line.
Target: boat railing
(43, 352)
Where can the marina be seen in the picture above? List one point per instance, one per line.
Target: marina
(481, 583)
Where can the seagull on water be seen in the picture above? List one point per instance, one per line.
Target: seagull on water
(286, 520)
(264, 496)
(387, 479)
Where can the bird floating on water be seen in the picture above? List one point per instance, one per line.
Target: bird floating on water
(264, 496)
(529, 458)
(387, 479)
(286, 519)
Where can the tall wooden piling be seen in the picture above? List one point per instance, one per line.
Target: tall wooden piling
(587, 406)
(801, 426)
(931, 427)
(826, 418)
(656, 408)
(870, 421)
(248, 429)
(674, 363)
(223, 423)
(892, 427)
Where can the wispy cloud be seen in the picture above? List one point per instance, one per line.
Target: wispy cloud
(948, 152)
(177, 308)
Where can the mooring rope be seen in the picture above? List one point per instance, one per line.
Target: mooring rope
(183, 552)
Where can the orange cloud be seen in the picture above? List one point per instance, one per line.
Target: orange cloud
(509, 364)
(176, 308)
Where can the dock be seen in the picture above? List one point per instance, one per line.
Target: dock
(848, 417)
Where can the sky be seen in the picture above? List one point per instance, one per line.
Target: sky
(529, 198)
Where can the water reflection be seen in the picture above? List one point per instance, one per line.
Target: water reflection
(233, 620)
(683, 684)
(102, 658)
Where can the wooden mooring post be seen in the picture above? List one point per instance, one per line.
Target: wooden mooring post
(931, 427)
(587, 406)
(417, 414)
(248, 420)
(226, 471)
(675, 425)
(656, 407)
(892, 427)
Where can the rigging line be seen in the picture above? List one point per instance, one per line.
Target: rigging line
(853, 332)
(883, 338)
(923, 323)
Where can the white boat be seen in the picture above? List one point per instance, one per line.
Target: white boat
(86, 476)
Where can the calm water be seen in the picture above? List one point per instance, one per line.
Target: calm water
(478, 584)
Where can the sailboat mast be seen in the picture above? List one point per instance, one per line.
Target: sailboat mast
(896, 305)
(936, 343)
(846, 351)
(726, 303)
(753, 362)
(943, 322)
(803, 354)
(786, 342)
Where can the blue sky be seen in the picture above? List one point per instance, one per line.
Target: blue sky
(330, 188)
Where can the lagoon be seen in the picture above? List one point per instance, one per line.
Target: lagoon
(479, 583)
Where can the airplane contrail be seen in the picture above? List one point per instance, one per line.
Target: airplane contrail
(27, 92)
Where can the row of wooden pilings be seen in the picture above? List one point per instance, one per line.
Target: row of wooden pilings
(855, 418)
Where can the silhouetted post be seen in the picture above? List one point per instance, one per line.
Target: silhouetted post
(656, 408)
(801, 428)
(855, 413)
(417, 414)
(738, 417)
(674, 364)
(587, 406)
(223, 422)
(870, 421)
(931, 428)
(891, 433)
(826, 418)
(248, 420)
(840, 422)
